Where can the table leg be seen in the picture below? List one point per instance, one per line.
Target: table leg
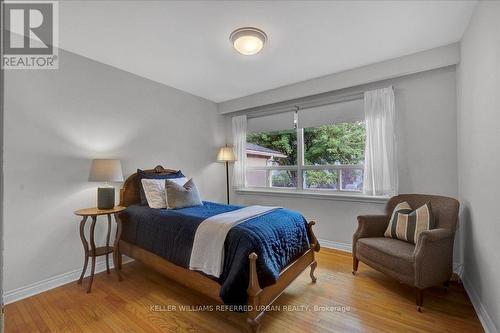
(85, 248)
(107, 242)
(92, 252)
(116, 248)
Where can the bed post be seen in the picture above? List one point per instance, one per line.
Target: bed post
(315, 247)
(253, 292)
(314, 241)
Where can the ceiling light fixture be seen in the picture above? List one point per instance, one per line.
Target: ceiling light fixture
(248, 40)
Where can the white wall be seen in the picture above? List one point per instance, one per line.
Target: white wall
(427, 153)
(479, 161)
(2, 85)
(414, 63)
(56, 121)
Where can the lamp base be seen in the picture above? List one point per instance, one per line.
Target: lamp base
(105, 197)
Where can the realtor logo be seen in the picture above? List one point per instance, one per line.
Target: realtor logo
(29, 35)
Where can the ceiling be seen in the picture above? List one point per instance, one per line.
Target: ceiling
(186, 44)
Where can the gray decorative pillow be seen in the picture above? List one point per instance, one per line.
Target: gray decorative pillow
(179, 196)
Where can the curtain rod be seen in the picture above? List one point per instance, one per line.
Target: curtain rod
(301, 104)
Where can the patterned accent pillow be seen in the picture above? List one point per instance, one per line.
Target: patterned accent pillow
(407, 224)
(179, 196)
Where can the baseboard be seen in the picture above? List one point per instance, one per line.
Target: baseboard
(54, 282)
(458, 269)
(335, 245)
(484, 317)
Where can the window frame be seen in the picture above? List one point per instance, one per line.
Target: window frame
(300, 167)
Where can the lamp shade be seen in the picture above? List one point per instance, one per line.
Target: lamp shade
(103, 170)
(226, 154)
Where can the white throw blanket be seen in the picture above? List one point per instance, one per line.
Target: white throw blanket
(207, 254)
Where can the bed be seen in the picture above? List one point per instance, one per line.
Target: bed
(262, 255)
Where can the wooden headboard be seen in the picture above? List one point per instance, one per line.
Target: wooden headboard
(129, 194)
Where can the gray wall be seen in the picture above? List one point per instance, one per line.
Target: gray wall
(414, 63)
(81, 111)
(426, 146)
(479, 161)
(2, 88)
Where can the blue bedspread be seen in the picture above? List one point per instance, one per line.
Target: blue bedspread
(278, 238)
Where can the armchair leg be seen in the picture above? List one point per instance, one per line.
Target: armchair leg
(355, 263)
(420, 298)
(313, 268)
(446, 284)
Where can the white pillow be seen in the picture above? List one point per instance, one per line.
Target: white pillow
(154, 190)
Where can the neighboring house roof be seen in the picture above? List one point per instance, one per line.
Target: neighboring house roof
(254, 149)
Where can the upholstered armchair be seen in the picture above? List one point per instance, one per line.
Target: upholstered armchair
(426, 264)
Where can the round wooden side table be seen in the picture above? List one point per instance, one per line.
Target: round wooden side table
(92, 251)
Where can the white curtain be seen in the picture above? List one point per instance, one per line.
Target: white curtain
(381, 172)
(240, 143)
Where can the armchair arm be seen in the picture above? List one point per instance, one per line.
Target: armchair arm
(433, 257)
(369, 226)
(433, 235)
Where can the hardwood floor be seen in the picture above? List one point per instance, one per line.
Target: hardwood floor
(144, 302)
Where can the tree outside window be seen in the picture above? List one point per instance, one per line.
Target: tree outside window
(332, 156)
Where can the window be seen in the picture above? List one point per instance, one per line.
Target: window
(324, 152)
(272, 151)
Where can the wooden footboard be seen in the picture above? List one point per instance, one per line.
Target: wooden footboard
(258, 298)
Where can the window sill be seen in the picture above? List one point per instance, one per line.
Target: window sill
(310, 194)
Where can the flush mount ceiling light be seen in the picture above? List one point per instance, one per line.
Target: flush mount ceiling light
(248, 40)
